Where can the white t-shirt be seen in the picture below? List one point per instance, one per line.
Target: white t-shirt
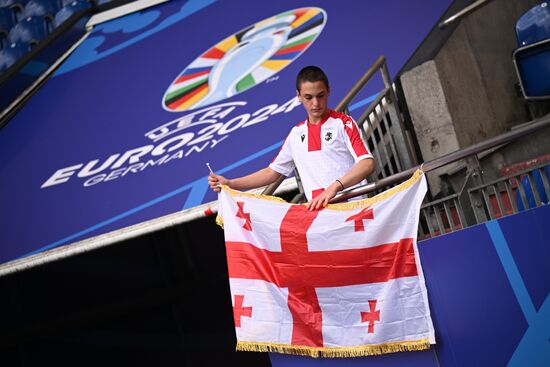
(322, 153)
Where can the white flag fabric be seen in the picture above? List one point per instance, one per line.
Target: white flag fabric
(338, 282)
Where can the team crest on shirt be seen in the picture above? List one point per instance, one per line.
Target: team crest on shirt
(329, 136)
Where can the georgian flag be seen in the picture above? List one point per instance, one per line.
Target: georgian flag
(338, 282)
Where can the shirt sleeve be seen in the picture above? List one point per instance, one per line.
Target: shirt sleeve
(283, 162)
(354, 142)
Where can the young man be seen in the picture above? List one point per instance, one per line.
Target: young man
(326, 148)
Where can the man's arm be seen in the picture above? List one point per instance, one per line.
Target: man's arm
(259, 178)
(356, 174)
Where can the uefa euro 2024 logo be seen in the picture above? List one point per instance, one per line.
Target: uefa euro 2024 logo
(245, 59)
(232, 66)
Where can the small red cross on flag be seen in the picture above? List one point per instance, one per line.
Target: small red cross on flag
(371, 316)
(246, 216)
(239, 310)
(358, 218)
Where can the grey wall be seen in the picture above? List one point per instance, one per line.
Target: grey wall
(467, 92)
(477, 72)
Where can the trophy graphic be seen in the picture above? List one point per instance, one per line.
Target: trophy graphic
(256, 46)
(245, 59)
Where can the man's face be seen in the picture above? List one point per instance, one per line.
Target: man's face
(314, 97)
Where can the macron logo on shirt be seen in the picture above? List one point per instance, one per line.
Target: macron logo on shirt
(349, 124)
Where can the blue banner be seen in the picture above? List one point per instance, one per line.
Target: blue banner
(122, 131)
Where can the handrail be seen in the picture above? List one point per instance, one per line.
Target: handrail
(372, 106)
(506, 137)
(380, 62)
(270, 189)
(461, 14)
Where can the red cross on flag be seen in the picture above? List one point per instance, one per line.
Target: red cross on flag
(339, 282)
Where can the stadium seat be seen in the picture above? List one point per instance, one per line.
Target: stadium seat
(17, 6)
(532, 57)
(41, 8)
(30, 30)
(12, 53)
(7, 20)
(3, 40)
(67, 2)
(533, 25)
(13, 3)
(68, 10)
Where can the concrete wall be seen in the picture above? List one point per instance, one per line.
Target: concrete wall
(429, 110)
(478, 75)
(467, 93)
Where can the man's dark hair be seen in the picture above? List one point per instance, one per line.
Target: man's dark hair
(311, 74)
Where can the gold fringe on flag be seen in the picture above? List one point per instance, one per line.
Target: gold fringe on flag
(340, 206)
(219, 220)
(341, 352)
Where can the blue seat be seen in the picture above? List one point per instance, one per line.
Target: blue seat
(3, 40)
(30, 30)
(17, 6)
(41, 8)
(12, 53)
(68, 10)
(13, 3)
(7, 20)
(532, 26)
(67, 2)
(532, 58)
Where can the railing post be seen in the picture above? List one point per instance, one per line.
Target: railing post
(270, 189)
(476, 197)
(400, 135)
(385, 75)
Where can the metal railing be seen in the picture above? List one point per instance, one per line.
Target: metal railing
(464, 12)
(511, 194)
(496, 199)
(441, 216)
(481, 202)
(382, 125)
(534, 126)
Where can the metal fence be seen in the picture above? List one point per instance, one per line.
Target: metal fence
(382, 125)
(505, 196)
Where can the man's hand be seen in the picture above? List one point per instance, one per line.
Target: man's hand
(321, 201)
(215, 182)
